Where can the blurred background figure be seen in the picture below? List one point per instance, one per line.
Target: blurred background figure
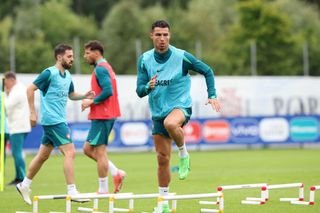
(17, 111)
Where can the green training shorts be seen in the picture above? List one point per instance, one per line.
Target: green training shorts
(56, 135)
(158, 126)
(99, 131)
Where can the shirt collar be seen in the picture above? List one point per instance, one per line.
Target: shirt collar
(99, 61)
(163, 56)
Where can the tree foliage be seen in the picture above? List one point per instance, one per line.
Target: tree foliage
(27, 23)
(36, 52)
(120, 30)
(314, 2)
(225, 28)
(61, 24)
(306, 30)
(39, 27)
(8, 7)
(96, 8)
(260, 22)
(5, 27)
(165, 3)
(208, 22)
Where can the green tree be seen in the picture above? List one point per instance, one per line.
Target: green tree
(224, 27)
(120, 29)
(39, 27)
(5, 28)
(314, 2)
(33, 55)
(306, 28)
(60, 24)
(7, 8)
(32, 52)
(261, 22)
(27, 22)
(97, 8)
(207, 21)
(165, 3)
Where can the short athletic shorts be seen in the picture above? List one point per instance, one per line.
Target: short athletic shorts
(100, 131)
(56, 135)
(158, 126)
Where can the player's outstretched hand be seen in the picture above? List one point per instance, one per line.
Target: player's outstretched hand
(86, 103)
(214, 104)
(90, 94)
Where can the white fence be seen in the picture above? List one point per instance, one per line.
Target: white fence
(239, 96)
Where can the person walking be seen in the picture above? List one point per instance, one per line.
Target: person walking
(18, 113)
(55, 85)
(104, 109)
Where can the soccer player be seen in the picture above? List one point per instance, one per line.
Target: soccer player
(104, 109)
(55, 85)
(163, 76)
(18, 114)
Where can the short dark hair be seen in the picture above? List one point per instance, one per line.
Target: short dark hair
(161, 24)
(94, 45)
(60, 49)
(10, 74)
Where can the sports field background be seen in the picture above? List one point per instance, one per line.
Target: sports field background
(208, 170)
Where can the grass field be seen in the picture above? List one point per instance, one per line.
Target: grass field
(208, 170)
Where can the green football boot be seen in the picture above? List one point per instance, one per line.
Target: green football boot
(184, 167)
(165, 209)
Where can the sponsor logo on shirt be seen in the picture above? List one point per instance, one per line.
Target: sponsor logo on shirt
(163, 83)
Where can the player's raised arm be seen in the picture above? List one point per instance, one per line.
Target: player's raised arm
(192, 63)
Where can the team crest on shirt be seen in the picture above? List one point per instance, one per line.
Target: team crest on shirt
(68, 136)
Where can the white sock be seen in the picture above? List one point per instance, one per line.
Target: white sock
(103, 185)
(183, 151)
(72, 189)
(112, 168)
(26, 182)
(164, 191)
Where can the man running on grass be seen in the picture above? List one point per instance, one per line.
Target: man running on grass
(55, 85)
(163, 76)
(104, 109)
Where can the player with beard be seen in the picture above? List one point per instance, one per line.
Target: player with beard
(104, 110)
(55, 85)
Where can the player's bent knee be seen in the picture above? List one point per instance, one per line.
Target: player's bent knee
(87, 151)
(171, 125)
